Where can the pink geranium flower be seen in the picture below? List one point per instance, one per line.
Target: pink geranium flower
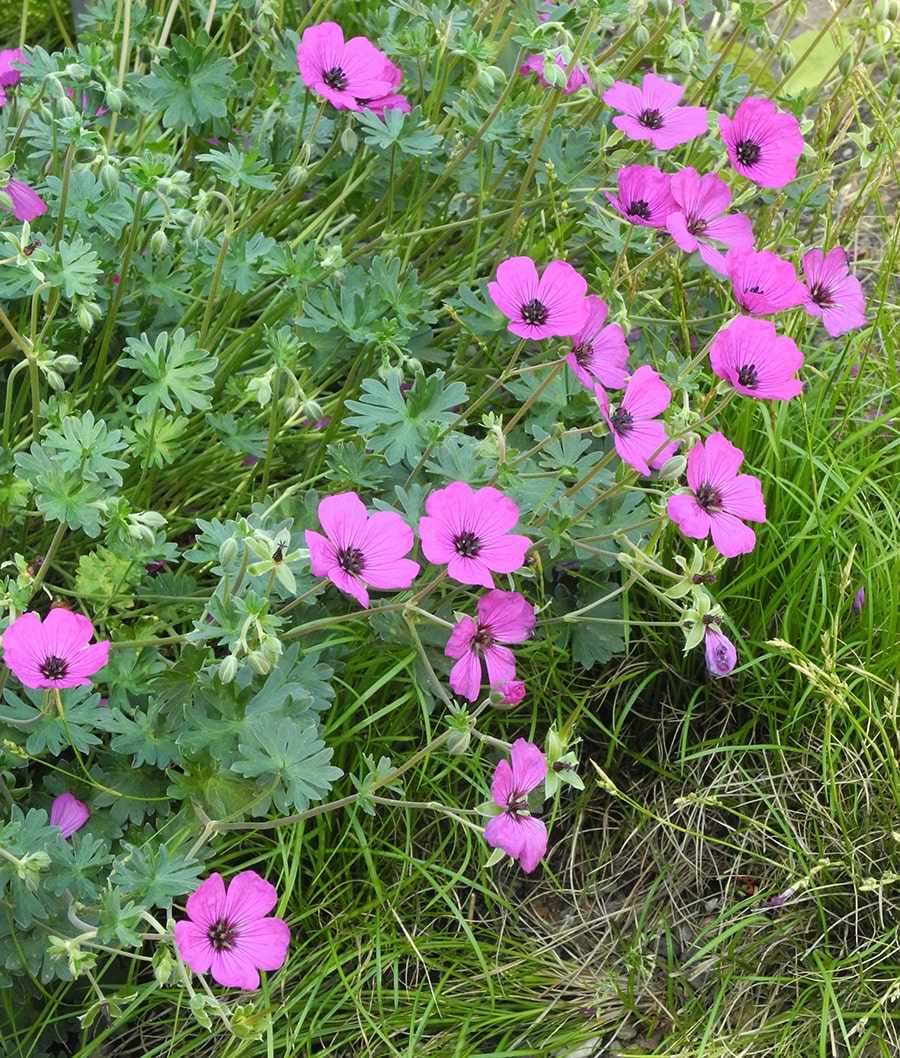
(701, 217)
(228, 933)
(69, 814)
(720, 498)
(652, 112)
(26, 203)
(763, 282)
(361, 549)
(503, 617)
(470, 532)
(640, 440)
(598, 352)
(392, 100)
(55, 652)
(578, 78)
(762, 144)
(750, 355)
(545, 307)
(9, 75)
(645, 197)
(515, 830)
(834, 294)
(343, 72)
(721, 655)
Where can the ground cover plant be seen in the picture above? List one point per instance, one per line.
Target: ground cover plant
(449, 541)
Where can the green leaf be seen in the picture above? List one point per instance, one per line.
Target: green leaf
(401, 425)
(295, 755)
(142, 736)
(403, 131)
(241, 168)
(73, 266)
(152, 875)
(86, 445)
(190, 84)
(50, 732)
(178, 371)
(62, 495)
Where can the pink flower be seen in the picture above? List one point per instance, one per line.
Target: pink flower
(578, 78)
(652, 112)
(513, 691)
(645, 197)
(392, 100)
(859, 601)
(762, 281)
(361, 549)
(636, 436)
(599, 352)
(470, 532)
(503, 617)
(26, 204)
(721, 498)
(721, 655)
(227, 930)
(834, 294)
(54, 653)
(69, 814)
(762, 144)
(701, 218)
(344, 73)
(515, 830)
(755, 360)
(9, 75)
(539, 308)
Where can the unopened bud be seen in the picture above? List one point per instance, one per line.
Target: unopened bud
(787, 62)
(75, 71)
(297, 175)
(228, 550)
(228, 669)
(349, 141)
(116, 98)
(894, 75)
(159, 243)
(641, 36)
(673, 468)
(259, 663)
(845, 63)
(109, 178)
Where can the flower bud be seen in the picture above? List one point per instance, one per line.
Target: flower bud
(116, 98)
(845, 63)
(159, 243)
(894, 75)
(787, 62)
(228, 669)
(297, 176)
(228, 550)
(29, 868)
(673, 468)
(259, 663)
(349, 141)
(75, 71)
(641, 36)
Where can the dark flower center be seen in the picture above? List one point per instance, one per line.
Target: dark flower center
(517, 805)
(640, 208)
(335, 78)
(696, 227)
(467, 544)
(350, 560)
(747, 152)
(650, 118)
(53, 668)
(709, 498)
(534, 312)
(821, 295)
(621, 420)
(483, 636)
(222, 935)
(747, 376)
(582, 353)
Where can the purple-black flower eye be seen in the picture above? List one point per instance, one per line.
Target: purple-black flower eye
(747, 152)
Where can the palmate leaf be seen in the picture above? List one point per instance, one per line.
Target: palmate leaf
(190, 84)
(153, 875)
(295, 755)
(50, 732)
(402, 424)
(177, 369)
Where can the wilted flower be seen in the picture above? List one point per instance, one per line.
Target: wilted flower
(546, 307)
(69, 814)
(701, 218)
(652, 112)
(55, 652)
(859, 600)
(637, 434)
(228, 933)
(503, 617)
(763, 282)
(834, 295)
(578, 78)
(361, 549)
(758, 362)
(645, 197)
(721, 498)
(515, 830)
(721, 655)
(762, 144)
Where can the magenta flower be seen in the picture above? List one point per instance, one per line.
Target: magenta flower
(639, 439)
(513, 691)
(515, 830)
(26, 204)
(503, 617)
(763, 282)
(55, 653)
(652, 112)
(578, 78)
(392, 100)
(539, 308)
(227, 930)
(69, 814)
(721, 655)
(834, 294)
(755, 360)
(701, 217)
(361, 549)
(859, 601)
(645, 196)
(470, 532)
(762, 144)
(343, 73)
(599, 352)
(9, 75)
(721, 498)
